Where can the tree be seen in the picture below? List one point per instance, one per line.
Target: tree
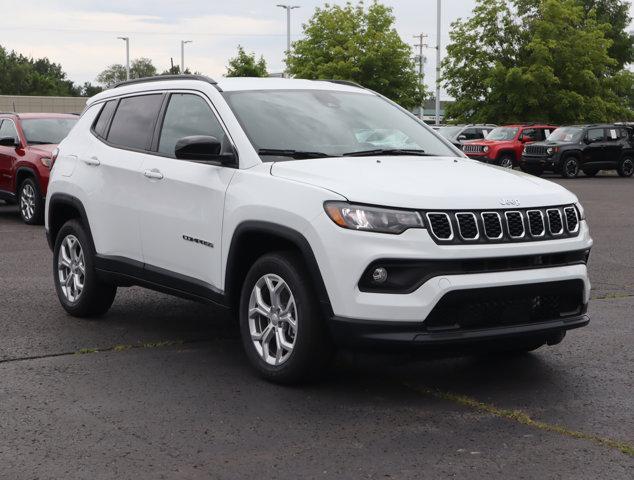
(245, 65)
(351, 42)
(88, 89)
(139, 68)
(534, 60)
(20, 75)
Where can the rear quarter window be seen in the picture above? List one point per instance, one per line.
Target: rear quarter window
(134, 120)
(104, 118)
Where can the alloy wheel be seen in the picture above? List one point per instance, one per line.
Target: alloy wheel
(71, 268)
(506, 162)
(27, 201)
(571, 168)
(273, 319)
(627, 167)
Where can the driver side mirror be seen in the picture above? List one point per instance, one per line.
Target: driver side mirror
(204, 149)
(526, 138)
(9, 142)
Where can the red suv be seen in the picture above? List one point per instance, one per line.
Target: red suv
(27, 145)
(503, 145)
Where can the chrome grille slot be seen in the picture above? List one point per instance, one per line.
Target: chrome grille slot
(492, 225)
(467, 225)
(515, 224)
(572, 222)
(440, 225)
(555, 224)
(472, 148)
(536, 223)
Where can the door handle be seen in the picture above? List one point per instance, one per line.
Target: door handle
(154, 174)
(92, 161)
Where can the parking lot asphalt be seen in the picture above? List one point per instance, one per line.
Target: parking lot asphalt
(160, 388)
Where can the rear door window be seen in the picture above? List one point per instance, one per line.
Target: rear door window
(104, 118)
(133, 122)
(471, 134)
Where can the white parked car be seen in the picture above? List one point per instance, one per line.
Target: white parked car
(274, 198)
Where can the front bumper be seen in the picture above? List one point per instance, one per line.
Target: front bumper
(352, 333)
(545, 162)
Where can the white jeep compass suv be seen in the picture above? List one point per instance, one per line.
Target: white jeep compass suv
(320, 212)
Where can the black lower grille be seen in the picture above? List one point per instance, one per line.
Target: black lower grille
(501, 306)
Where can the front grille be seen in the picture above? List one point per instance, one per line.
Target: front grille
(492, 225)
(503, 306)
(496, 226)
(536, 150)
(572, 222)
(555, 225)
(536, 223)
(467, 225)
(472, 148)
(440, 225)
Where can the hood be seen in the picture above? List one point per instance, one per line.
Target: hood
(43, 150)
(424, 182)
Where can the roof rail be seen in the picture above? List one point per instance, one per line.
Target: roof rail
(350, 83)
(160, 78)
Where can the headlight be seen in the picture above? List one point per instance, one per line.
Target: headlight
(46, 162)
(580, 211)
(549, 150)
(372, 219)
(485, 149)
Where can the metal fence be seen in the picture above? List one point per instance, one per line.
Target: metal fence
(27, 104)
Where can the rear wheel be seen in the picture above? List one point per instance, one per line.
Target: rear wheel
(626, 167)
(590, 172)
(31, 202)
(80, 291)
(283, 333)
(570, 168)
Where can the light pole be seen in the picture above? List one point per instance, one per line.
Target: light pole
(288, 28)
(183, 42)
(420, 58)
(127, 56)
(438, 64)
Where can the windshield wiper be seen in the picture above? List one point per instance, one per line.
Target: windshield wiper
(388, 151)
(297, 154)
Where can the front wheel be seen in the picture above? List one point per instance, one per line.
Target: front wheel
(80, 291)
(283, 333)
(626, 167)
(506, 161)
(570, 168)
(31, 203)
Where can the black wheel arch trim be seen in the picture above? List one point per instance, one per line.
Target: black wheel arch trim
(30, 172)
(289, 234)
(70, 200)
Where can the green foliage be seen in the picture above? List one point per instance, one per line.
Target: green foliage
(88, 89)
(535, 60)
(245, 65)
(20, 75)
(351, 42)
(139, 68)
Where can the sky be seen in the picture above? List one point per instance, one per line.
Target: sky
(81, 35)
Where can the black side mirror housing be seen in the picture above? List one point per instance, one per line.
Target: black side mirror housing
(205, 149)
(9, 142)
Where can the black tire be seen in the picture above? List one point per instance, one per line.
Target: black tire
(570, 167)
(626, 167)
(506, 161)
(313, 347)
(96, 296)
(30, 202)
(590, 172)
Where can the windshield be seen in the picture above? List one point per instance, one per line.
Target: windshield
(449, 132)
(327, 123)
(566, 134)
(42, 131)
(502, 133)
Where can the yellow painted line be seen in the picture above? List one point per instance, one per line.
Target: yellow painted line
(523, 418)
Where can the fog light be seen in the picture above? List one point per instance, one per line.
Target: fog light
(379, 275)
